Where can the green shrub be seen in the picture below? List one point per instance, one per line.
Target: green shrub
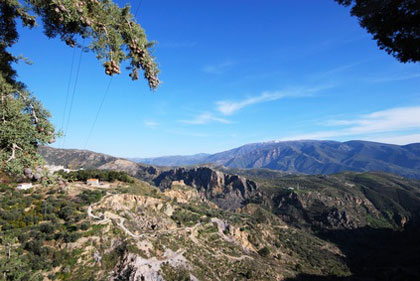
(66, 212)
(88, 197)
(103, 175)
(47, 228)
(84, 225)
(264, 252)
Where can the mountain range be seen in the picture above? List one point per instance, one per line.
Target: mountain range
(309, 157)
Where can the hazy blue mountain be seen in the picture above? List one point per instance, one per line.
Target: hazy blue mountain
(176, 160)
(311, 157)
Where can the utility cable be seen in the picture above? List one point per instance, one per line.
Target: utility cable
(73, 94)
(99, 110)
(106, 93)
(68, 91)
(138, 8)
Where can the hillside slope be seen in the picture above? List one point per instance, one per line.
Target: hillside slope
(203, 223)
(137, 232)
(349, 226)
(85, 159)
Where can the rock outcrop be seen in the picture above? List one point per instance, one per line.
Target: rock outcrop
(226, 191)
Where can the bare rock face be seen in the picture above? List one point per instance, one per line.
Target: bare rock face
(324, 211)
(135, 268)
(227, 191)
(338, 219)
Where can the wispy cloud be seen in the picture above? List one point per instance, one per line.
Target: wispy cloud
(230, 107)
(219, 68)
(325, 45)
(336, 70)
(400, 118)
(398, 121)
(151, 124)
(398, 139)
(395, 77)
(205, 118)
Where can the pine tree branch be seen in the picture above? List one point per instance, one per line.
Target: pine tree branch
(30, 105)
(34, 114)
(13, 156)
(3, 117)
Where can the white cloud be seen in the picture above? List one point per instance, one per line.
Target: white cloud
(219, 68)
(398, 139)
(151, 124)
(230, 107)
(396, 121)
(205, 118)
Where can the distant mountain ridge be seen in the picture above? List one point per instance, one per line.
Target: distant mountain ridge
(176, 160)
(311, 157)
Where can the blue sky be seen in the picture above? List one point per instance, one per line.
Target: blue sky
(233, 72)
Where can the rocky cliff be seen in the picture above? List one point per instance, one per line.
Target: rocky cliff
(227, 191)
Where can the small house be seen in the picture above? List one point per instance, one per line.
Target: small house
(24, 186)
(93, 182)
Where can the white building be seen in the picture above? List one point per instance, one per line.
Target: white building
(24, 186)
(93, 182)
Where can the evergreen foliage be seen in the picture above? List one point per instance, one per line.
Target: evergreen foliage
(24, 126)
(113, 35)
(393, 24)
(102, 175)
(29, 220)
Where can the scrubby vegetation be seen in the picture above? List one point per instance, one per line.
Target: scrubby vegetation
(33, 223)
(103, 175)
(37, 225)
(175, 274)
(282, 231)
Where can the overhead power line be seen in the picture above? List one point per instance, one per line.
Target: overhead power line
(73, 94)
(74, 91)
(97, 113)
(138, 8)
(68, 90)
(106, 92)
